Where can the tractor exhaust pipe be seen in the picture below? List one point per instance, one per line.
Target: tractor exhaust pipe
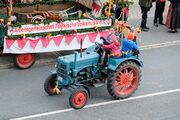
(75, 59)
(81, 48)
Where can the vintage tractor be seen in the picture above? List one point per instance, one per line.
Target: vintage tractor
(78, 71)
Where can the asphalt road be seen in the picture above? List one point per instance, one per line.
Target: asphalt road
(22, 94)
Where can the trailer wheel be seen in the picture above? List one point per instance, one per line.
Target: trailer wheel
(124, 81)
(78, 98)
(24, 61)
(50, 85)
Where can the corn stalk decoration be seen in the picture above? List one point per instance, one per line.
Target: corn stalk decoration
(9, 11)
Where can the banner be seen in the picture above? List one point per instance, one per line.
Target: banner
(54, 26)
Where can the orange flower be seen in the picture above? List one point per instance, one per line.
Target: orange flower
(49, 35)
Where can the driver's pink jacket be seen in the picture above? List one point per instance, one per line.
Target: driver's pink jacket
(114, 48)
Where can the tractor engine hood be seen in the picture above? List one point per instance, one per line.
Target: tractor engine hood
(76, 63)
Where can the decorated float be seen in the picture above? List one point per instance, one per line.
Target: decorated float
(28, 27)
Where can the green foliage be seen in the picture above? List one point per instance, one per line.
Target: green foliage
(124, 3)
(55, 33)
(44, 2)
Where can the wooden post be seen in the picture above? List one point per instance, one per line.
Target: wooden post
(9, 11)
(121, 29)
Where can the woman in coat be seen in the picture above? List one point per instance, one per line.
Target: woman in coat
(175, 17)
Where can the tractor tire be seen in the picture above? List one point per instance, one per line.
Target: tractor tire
(50, 85)
(24, 61)
(124, 81)
(78, 98)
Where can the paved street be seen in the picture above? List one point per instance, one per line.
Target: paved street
(22, 94)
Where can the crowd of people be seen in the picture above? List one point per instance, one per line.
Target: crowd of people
(173, 17)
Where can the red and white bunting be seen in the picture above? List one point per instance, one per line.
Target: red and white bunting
(92, 36)
(33, 43)
(22, 42)
(104, 34)
(9, 42)
(69, 38)
(49, 44)
(58, 40)
(79, 37)
(45, 41)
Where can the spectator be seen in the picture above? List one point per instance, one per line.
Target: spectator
(168, 18)
(160, 5)
(145, 7)
(175, 17)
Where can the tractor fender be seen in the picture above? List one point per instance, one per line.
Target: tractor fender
(114, 63)
(85, 87)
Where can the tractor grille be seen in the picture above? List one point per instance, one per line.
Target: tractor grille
(62, 70)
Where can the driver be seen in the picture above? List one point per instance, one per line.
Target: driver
(113, 47)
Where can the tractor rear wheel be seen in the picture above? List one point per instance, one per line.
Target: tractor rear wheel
(50, 85)
(78, 98)
(124, 81)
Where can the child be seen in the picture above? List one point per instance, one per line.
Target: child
(114, 48)
(129, 47)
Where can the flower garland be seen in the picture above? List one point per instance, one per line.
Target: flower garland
(38, 3)
(65, 32)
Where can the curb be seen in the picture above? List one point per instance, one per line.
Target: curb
(6, 61)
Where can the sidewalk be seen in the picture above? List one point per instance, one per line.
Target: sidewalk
(135, 11)
(6, 61)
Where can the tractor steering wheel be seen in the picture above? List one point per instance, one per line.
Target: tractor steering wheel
(98, 44)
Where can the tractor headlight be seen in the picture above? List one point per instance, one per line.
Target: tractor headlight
(69, 72)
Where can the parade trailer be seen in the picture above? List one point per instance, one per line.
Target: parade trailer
(28, 27)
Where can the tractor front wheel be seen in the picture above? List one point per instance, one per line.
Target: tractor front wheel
(124, 81)
(50, 85)
(78, 98)
(24, 61)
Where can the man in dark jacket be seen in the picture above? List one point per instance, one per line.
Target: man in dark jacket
(160, 5)
(145, 7)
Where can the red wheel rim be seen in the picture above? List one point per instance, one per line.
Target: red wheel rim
(25, 60)
(126, 80)
(80, 98)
